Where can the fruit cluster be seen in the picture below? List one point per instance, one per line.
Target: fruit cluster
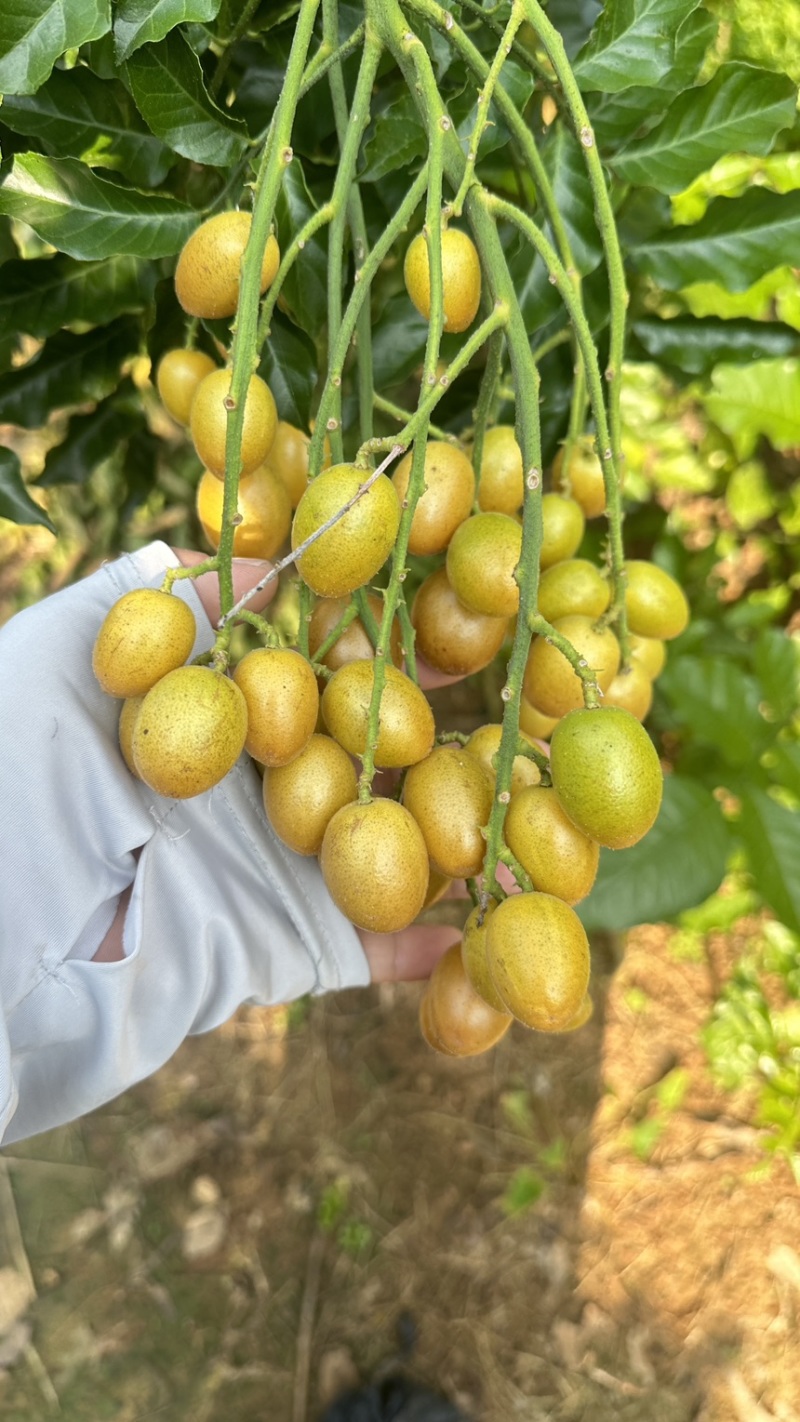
(309, 720)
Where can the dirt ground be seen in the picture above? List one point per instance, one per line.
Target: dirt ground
(239, 1237)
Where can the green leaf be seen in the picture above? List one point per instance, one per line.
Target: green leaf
(289, 366)
(573, 19)
(696, 346)
(741, 107)
(719, 704)
(771, 836)
(168, 87)
(305, 291)
(776, 662)
(42, 296)
(677, 865)
(138, 22)
(396, 139)
(16, 503)
(735, 243)
(35, 33)
(90, 440)
(69, 370)
(632, 43)
(398, 342)
(572, 190)
(88, 217)
(784, 765)
(617, 117)
(78, 115)
(754, 400)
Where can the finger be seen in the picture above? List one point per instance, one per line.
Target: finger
(408, 956)
(430, 678)
(246, 573)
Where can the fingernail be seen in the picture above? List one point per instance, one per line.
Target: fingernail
(252, 562)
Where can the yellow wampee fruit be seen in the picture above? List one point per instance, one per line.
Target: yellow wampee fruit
(461, 278)
(454, 1019)
(539, 960)
(349, 553)
(606, 774)
(560, 858)
(375, 865)
(280, 690)
(208, 422)
(301, 798)
(550, 683)
(190, 732)
(146, 634)
(207, 274)
(406, 726)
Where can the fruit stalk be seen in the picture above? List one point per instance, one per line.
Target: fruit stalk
(484, 100)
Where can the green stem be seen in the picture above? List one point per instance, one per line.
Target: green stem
(484, 102)
(174, 575)
(317, 220)
(388, 407)
(588, 676)
(486, 399)
(304, 617)
(325, 58)
(486, 18)
(559, 339)
(348, 616)
(409, 638)
(236, 33)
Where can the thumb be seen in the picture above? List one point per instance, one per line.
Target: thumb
(247, 572)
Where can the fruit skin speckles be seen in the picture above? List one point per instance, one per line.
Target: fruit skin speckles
(461, 278)
(606, 774)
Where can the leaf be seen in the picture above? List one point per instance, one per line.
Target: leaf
(16, 503)
(677, 865)
(754, 400)
(735, 243)
(771, 836)
(396, 139)
(398, 342)
(42, 296)
(35, 33)
(617, 117)
(78, 115)
(90, 440)
(289, 366)
(784, 767)
(169, 91)
(572, 190)
(305, 291)
(138, 22)
(719, 704)
(741, 107)
(573, 19)
(696, 346)
(632, 43)
(776, 662)
(69, 370)
(88, 217)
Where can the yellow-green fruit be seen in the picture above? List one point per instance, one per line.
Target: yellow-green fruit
(573, 586)
(453, 1018)
(301, 798)
(375, 865)
(475, 959)
(534, 723)
(263, 505)
(406, 727)
(146, 634)
(190, 732)
(282, 703)
(550, 683)
(208, 422)
(127, 721)
(461, 278)
(350, 553)
(354, 644)
(631, 689)
(606, 774)
(449, 793)
(649, 653)
(560, 859)
(539, 960)
(177, 378)
(446, 500)
(207, 274)
(483, 554)
(438, 884)
(582, 1016)
(656, 605)
(562, 529)
(501, 488)
(484, 745)
(449, 637)
(582, 478)
(289, 458)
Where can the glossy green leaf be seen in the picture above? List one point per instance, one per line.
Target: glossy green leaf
(69, 370)
(776, 662)
(754, 400)
(618, 117)
(719, 705)
(574, 20)
(677, 865)
(305, 291)
(396, 139)
(632, 43)
(398, 342)
(89, 217)
(77, 115)
(16, 503)
(42, 296)
(741, 107)
(289, 366)
(734, 244)
(572, 190)
(138, 22)
(771, 836)
(696, 346)
(90, 440)
(168, 87)
(35, 33)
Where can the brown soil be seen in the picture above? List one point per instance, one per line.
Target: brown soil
(238, 1237)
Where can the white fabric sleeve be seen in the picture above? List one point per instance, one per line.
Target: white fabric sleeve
(221, 911)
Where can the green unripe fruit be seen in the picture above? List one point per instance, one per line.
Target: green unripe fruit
(656, 605)
(606, 774)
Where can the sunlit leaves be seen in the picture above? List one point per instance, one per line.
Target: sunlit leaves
(35, 33)
(15, 501)
(69, 370)
(40, 297)
(138, 22)
(735, 243)
(759, 399)
(632, 43)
